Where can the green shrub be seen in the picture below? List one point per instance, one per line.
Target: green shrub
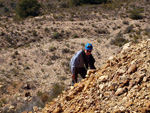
(12, 5)
(79, 2)
(1, 104)
(65, 50)
(63, 78)
(6, 9)
(135, 38)
(126, 22)
(136, 14)
(102, 31)
(52, 49)
(99, 41)
(65, 64)
(27, 8)
(3, 101)
(113, 4)
(44, 98)
(118, 41)
(39, 93)
(2, 33)
(46, 29)
(56, 35)
(1, 4)
(9, 40)
(56, 90)
(75, 36)
(35, 33)
(147, 31)
(63, 5)
(55, 57)
(129, 29)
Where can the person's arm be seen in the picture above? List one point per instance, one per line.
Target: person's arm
(91, 62)
(74, 64)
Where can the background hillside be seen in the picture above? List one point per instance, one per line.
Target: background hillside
(35, 51)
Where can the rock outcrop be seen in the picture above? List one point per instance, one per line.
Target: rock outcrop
(121, 85)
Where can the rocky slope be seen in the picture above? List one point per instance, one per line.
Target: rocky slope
(121, 85)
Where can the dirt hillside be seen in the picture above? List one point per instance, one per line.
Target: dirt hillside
(35, 52)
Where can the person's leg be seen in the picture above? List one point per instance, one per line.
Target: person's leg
(76, 76)
(83, 72)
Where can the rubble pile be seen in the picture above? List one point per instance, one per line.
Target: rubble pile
(121, 85)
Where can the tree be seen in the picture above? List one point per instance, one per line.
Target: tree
(27, 8)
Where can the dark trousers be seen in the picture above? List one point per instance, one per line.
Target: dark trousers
(81, 71)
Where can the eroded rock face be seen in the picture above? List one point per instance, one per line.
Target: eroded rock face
(122, 85)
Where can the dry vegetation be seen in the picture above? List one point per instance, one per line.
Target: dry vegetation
(35, 52)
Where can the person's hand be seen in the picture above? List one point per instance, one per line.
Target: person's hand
(91, 71)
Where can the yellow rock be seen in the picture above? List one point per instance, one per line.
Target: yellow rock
(76, 84)
(103, 78)
(132, 69)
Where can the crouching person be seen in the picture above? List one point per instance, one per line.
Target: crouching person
(80, 63)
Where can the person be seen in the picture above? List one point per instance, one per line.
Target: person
(81, 61)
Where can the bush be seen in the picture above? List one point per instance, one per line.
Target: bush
(1, 4)
(56, 90)
(6, 9)
(118, 41)
(35, 33)
(102, 31)
(75, 36)
(56, 35)
(52, 49)
(65, 50)
(39, 93)
(54, 57)
(27, 8)
(129, 29)
(44, 98)
(79, 2)
(136, 14)
(12, 5)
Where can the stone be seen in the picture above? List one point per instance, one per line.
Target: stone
(126, 46)
(58, 110)
(68, 98)
(112, 87)
(111, 58)
(12, 107)
(25, 112)
(147, 104)
(35, 108)
(103, 78)
(129, 104)
(120, 91)
(145, 79)
(131, 84)
(132, 69)
(125, 83)
(121, 71)
(91, 71)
